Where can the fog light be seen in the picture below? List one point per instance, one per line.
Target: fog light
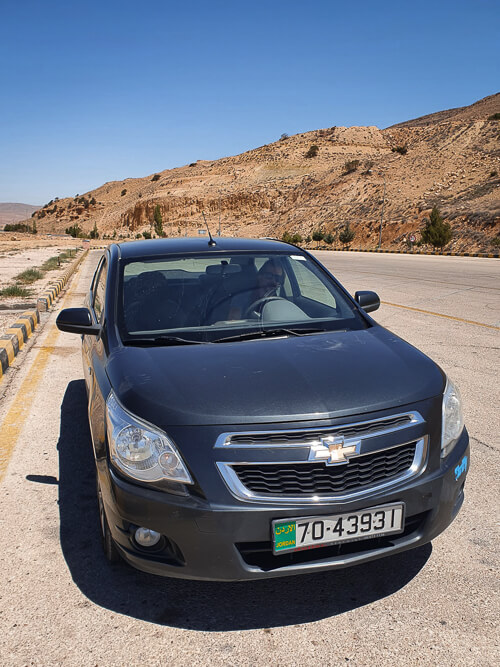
(146, 537)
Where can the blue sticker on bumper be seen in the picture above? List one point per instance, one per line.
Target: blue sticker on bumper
(461, 468)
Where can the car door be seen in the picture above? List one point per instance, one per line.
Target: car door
(95, 354)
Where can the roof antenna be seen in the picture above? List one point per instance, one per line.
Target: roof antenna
(211, 242)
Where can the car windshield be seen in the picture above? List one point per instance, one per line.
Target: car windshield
(210, 297)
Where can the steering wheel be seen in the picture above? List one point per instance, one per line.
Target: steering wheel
(253, 307)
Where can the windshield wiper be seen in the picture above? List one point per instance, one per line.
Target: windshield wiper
(268, 333)
(162, 340)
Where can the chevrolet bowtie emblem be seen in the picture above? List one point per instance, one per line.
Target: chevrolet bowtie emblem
(339, 453)
(334, 450)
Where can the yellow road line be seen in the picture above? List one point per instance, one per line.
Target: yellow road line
(21, 407)
(448, 317)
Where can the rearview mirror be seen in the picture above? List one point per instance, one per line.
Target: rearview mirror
(369, 301)
(77, 320)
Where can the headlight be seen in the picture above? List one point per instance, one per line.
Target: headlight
(140, 450)
(453, 421)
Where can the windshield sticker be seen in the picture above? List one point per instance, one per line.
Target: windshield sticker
(300, 257)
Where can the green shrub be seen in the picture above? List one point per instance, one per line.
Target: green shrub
(14, 290)
(312, 152)
(436, 231)
(329, 239)
(93, 201)
(347, 235)
(350, 166)
(496, 242)
(124, 192)
(284, 136)
(147, 235)
(156, 177)
(28, 276)
(318, 235)
(17, 227)
(494, 116)
(292, 238)
(402, 150)
(493, 173)
(75, 231)
(138, 236)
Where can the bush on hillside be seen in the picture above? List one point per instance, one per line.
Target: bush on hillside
(436, 231)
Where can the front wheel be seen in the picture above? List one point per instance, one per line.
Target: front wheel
(108, 545)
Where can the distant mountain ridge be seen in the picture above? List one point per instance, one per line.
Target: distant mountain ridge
(11, 212)
(450, 159)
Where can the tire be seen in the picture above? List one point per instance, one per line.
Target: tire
(108, 544)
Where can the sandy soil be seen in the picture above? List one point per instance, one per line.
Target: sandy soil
(21, 252)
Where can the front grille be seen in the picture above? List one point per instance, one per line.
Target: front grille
(306, 436)
(260, 554)
(316, 479)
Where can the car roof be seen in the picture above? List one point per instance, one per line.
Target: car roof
(160, 247)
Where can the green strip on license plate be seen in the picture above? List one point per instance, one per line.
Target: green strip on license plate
(284, 535)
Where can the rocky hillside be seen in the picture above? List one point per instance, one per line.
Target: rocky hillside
(450, 159)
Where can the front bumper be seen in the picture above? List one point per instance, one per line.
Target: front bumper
(232, 542)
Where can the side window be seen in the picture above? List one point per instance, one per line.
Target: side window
(100, 291)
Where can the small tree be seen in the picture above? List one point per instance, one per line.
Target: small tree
(436, 231)
(124, 192)
(350, 166)
(329, 239)
(312, 152)
(147, 235)
(291, 238)
(318, 236)
(347, 235)
(156, 177)
(284, 136)
(74, 231)
(94, 234)
(158, 221)
(34, 230)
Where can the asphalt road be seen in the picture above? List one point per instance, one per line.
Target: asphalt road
(61, 603)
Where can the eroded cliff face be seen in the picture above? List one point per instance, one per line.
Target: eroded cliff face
(450, 159)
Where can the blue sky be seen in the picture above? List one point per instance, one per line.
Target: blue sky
(99, 91)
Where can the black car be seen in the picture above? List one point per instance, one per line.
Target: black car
(250, 420)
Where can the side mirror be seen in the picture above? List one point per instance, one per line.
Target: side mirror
(77, 320)
(369, 301)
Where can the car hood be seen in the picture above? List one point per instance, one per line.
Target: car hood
(311, 377)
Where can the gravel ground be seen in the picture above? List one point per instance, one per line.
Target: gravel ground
(12, 262)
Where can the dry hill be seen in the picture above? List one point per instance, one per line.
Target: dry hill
(450, 159)
(10, 213)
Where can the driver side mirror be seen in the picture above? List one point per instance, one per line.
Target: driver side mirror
(369, 301)
(77, 320)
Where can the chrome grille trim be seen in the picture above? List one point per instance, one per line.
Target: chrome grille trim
(240, 491)
(312, 435)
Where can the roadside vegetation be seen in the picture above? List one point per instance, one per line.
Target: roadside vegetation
(436, 232)
(29, 276)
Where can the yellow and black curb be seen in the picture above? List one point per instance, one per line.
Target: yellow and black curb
(13, 340)
(45, 301)
(416, 252)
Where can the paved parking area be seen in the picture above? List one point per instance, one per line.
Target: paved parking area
(62, 604)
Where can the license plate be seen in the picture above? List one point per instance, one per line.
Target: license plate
(318, 531)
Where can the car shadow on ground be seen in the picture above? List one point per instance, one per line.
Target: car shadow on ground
(209, 606)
